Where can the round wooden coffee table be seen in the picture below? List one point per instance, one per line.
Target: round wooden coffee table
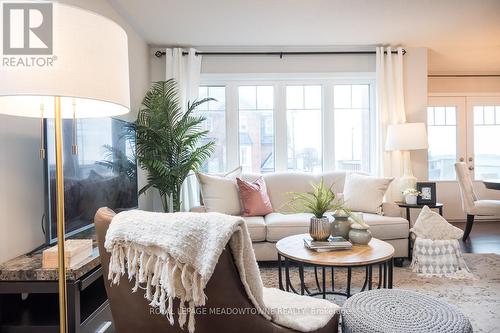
(292, 252)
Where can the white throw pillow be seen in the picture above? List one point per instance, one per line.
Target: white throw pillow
(431, 225)
(364, 193)
(220, 193)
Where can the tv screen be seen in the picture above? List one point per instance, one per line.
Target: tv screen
(102, 173)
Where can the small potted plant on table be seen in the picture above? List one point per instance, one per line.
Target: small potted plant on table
(411, 195)
(321, 200)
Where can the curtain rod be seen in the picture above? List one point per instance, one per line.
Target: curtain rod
(463, 75)
(159, 54)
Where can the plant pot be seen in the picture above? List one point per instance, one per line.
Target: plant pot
(319, 228)
(411, 199)
(360, 236)
(341, 226)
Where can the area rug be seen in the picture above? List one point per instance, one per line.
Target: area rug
(478, 299)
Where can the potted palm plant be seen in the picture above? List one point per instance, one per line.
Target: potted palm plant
(321, 200)
(170, 141)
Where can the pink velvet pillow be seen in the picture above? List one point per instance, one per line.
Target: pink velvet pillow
(254, 198)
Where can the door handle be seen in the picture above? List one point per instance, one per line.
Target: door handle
(471, 159)
(461, 159)
(471, 168)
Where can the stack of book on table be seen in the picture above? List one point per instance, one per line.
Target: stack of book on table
(333, 243)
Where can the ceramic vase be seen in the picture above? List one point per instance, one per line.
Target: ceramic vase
(411, 199)
(319, 228)
(360, 236)
(341, 226)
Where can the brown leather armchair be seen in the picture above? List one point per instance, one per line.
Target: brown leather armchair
(132, 313)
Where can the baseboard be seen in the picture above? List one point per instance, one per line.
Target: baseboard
(477, 219)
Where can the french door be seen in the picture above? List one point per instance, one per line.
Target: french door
(465, 129)
(483, 137)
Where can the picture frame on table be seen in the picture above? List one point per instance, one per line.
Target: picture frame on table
(427, 193)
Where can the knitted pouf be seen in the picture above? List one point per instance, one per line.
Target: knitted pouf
(396, 310)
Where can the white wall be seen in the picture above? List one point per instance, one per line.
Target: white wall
(415, 88)
(271, 64)
(21, 172)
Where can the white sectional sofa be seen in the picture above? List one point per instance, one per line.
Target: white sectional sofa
(265, 231)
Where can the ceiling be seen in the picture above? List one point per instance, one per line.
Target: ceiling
(463, 36)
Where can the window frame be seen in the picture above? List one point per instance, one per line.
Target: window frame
(279, 81)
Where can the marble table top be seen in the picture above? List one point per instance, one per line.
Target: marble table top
(29, 268)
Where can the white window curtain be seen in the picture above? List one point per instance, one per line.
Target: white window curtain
(185, 69)
(390, 110)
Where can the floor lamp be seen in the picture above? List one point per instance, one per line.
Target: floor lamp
(80, 70)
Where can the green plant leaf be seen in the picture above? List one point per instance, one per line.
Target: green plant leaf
(170, 142)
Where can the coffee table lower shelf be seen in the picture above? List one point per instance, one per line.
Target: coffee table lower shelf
(322, 288)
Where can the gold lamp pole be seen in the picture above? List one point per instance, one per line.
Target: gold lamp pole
(60, 216)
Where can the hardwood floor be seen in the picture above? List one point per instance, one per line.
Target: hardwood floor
(484, 238)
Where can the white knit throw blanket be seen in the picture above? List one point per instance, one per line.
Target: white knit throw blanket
(174, 256)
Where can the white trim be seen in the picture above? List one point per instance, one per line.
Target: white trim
(464, 94)
(224, 77)
(280, 126)
(232, 127)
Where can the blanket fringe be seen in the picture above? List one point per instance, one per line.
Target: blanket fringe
(159, 276)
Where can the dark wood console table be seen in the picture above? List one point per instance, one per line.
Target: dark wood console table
(29, 301)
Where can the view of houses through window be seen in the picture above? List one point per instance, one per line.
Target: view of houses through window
(304, 128)
(256, 129)
(486, 141)
(442, 137)
(280, 125)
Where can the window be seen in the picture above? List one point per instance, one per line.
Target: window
(303, 104)
(486, 141)
(442, 137)
(245, 157)
(351, 106)
(256, 137)
(215, 113)
(295, 122)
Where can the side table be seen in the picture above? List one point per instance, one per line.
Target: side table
(439, 206)
(29, 303)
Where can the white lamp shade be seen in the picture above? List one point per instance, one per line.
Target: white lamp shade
(90, 72)
(408, 136)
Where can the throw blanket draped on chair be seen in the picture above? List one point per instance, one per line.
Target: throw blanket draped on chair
(174, 256)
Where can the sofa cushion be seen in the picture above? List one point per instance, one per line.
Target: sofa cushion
(364, 193)
(256, 228)
(279, 184)
(254, 198)
(387, 227)
(283, 225)
(220, 193)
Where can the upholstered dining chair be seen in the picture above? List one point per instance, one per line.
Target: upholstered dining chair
(470, 202)
(225, 291)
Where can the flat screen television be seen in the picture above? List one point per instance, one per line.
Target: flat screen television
(102, 173)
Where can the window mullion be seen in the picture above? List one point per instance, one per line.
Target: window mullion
(328, 127)
(280, 127)
(232, 126)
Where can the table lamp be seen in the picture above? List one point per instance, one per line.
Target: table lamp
(406, 137)
(60, 62)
